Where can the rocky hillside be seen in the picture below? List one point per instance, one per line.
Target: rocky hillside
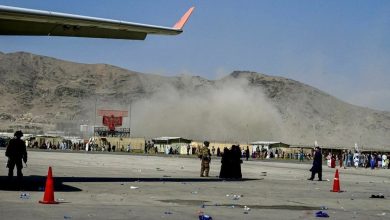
(40, 93)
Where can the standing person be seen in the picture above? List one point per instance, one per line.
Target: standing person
(188, 149)
(235, 166)
(356, 157)
(247, 153)
(345, 158)
(205, 156)
(329, 159)
(301, 155)
(388, 161)
(340, 158)
(225, 164)
(317, 165)
(16, 152)
(218, 152)
(384, 160)
(213, 150)
(350, 159)
(372, 161)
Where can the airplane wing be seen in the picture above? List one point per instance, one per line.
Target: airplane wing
(22, 21)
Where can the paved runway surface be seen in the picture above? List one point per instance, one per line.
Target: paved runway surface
(121, 186)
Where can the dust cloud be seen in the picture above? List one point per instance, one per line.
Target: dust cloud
(223, 110)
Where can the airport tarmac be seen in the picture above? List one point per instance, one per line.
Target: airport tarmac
(122, 186)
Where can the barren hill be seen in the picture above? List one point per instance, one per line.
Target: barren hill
(40, 93)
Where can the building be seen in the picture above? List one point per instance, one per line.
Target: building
(179, 145)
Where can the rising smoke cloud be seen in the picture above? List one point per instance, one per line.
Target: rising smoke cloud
(221, 111)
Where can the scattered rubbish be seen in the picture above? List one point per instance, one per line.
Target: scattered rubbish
(168, 213)
(382, 214)
(246, 208)
(227, 195)
(263, 174)
(25, 196)
(232, 206)
(246, 212)
(67, 217)
(205, 217)
(203, 206)
(322, 214)
(324, 208)
(236, 197)
(166, 176)
(379, 196)
(60, 200)
(194, 192)
(328, 180)
(182, 167)
(122, 184)
(134, 187)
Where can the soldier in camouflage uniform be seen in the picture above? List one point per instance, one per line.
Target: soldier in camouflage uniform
(16, 152)
(205, 156)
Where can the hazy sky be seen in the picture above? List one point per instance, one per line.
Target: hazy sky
(341, 47)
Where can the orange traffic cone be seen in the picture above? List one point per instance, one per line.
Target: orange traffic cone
(336, 182)
(48, 198)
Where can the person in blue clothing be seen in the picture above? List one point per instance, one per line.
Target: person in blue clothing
(317, 165)
(372, 161)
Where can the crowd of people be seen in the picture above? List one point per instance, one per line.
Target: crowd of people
(77, 146)
(345, 159)
(231, 159)
(357, 159)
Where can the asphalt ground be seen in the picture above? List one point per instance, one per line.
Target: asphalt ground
(123, 186)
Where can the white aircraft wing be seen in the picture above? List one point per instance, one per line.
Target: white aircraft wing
(22, 21)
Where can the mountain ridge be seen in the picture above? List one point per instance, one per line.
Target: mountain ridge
(38, 93)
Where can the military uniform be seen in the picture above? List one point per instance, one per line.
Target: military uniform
(16, 152)
(205, 156)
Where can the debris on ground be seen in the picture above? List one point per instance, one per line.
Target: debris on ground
(205, 217)
(379, 196)
(134, 187)
(24, 195)
(322, 214)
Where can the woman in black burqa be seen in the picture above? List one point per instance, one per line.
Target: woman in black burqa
(236, 162)
(225, 164)
(231, 163)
